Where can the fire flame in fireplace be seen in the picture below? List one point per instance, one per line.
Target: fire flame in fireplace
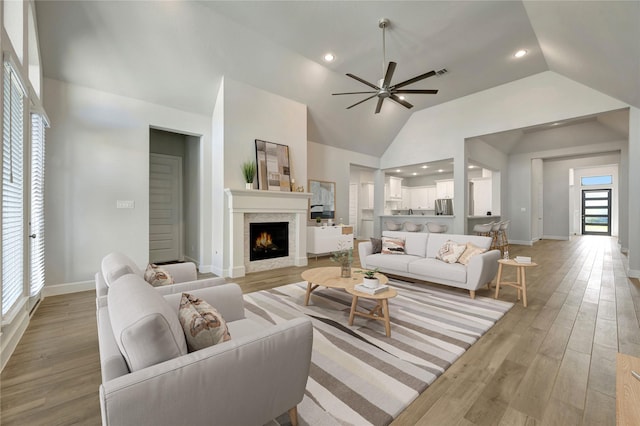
(264, 240)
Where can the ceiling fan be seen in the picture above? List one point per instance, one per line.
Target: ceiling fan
(384, 89)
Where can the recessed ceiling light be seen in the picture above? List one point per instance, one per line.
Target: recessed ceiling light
(440, 170)
(329, 57)
(555, 124)
(398, 170)
(415, 174)
(520, 53)
(471, 166)
(425, 167)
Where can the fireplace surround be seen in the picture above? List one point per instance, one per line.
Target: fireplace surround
(250, 206)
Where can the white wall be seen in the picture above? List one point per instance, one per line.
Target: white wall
(634, 194)
(439, 132)
(97, 153)
(334, 165)
(243, 114)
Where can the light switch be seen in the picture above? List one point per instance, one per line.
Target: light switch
(125, 204)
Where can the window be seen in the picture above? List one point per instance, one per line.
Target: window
(36, 258)
(12, 190)
(596, 180)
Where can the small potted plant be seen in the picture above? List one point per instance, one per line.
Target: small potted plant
(343, 257)
(249, 172)
(318, 221)
(370, 280)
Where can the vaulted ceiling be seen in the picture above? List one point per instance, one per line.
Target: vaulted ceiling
(175, 53)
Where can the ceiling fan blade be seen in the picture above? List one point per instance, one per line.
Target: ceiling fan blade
(353, 93)
(414, 79)
(387, 77)
(401, 102)
(380, 100)
(364, 100)
(426, 91)
(355, 77)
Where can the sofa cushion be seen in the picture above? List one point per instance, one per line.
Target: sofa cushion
(157, 276)
(436, 241)
(450, 251)
(397, 263)
(202, 324)
(144, 325)
(392, 245)
(433, 269)
(115, 265)
(469, 252)
(376, 245)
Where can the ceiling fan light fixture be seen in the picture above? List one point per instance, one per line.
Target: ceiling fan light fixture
(384, 88)
(520, 53)
(329, 57)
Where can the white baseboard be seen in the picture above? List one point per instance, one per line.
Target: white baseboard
(633, 273)
(11, 336)
(555, 237)
(66, 288)
(521, 242)
(205, 269)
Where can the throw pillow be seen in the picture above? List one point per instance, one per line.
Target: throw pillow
(451, 251)
(469, 252)
(202, 324)
(376, 245)
(157, 276)
(392, 245)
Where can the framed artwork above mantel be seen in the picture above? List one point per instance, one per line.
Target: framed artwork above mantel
(274, 172)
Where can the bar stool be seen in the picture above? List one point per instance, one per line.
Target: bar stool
(495, 229)
(483, 229)
(436, 228)
(503, 240)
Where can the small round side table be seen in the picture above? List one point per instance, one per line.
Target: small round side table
(521, 280)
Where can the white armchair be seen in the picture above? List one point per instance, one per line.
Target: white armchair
(114, 265)
(251, 379)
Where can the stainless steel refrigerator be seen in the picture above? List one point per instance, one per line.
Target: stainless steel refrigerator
(444, 206)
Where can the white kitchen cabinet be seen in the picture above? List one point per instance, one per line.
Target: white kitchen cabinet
(422, 197)
(406, 198)
(327, 239)
(444, 188)
(395, 188)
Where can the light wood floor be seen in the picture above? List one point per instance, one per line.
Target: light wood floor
(551, 363)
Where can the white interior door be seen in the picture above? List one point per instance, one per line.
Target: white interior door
(353, 207)
(165, 208)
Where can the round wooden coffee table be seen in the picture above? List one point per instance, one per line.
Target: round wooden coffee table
(329, 276)
(380, 312)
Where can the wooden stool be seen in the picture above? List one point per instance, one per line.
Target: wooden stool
(521, 280)
(495, 229)
(380, 312)
(483, 229)
(502, 239)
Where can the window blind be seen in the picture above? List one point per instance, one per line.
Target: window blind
(12, 191)
(36, 258)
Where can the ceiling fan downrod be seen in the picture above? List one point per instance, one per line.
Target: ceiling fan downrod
(383, 23)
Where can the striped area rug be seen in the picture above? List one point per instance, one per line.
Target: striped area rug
(358, 375)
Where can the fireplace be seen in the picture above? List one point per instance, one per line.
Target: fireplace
(268, 240)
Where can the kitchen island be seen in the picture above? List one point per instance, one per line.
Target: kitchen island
(417, 219)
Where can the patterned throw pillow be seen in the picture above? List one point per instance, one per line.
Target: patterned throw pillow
(157, 276)
(392, 245)
(202, 324)
(376, 245)
(469, 252)
(451, 251)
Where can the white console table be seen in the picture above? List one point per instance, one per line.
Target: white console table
(326, 239)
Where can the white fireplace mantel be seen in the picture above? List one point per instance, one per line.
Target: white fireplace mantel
(241, 202)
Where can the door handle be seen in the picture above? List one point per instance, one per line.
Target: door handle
(32, 236)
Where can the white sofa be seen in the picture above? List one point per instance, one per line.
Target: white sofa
(251, 379)
(114, 265)
(419, 261)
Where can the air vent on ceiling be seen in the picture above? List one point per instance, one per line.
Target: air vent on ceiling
(441, 72)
